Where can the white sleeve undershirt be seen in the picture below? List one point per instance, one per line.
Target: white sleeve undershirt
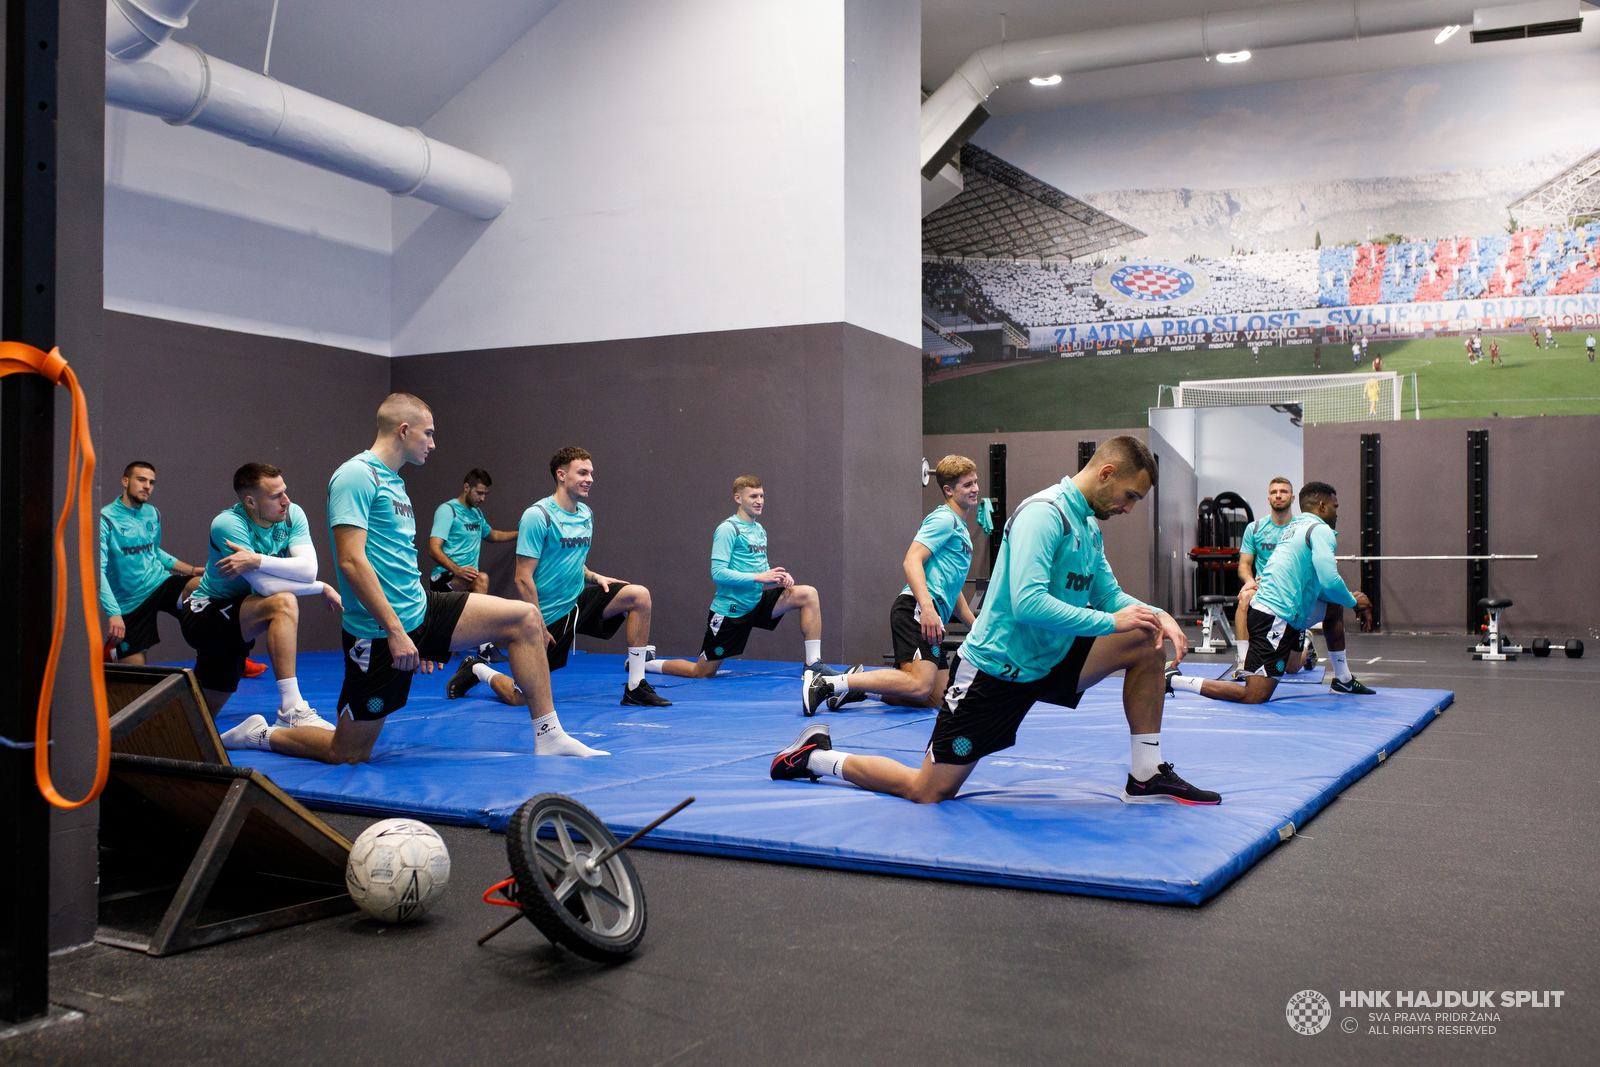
(296, 573)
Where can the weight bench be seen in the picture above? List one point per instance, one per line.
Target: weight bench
(1216, 610)
(1493, 646)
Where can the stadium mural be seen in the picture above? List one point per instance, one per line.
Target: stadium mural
(1278, 217)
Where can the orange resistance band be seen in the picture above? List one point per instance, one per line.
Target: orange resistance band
(18, 358)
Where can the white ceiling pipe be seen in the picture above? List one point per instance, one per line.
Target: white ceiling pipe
(134, 28)
(186, 87)
(1310, 22)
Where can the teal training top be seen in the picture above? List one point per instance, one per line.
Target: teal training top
(132, 563)
(236, 525)
(738, 551)
(559, 540)
(1260, 538)
(464, 531)
(366, 494)
(945, 535)
(1051, 584)
(1301, 572)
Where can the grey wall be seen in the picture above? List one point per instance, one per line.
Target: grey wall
(1544, 498)
(199, 402)
(1035, 460)
(80, 139)
(826, 415)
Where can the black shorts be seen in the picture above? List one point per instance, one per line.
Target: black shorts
(212, 629)
(586, 617)
(441, 584)
(981, 713)
(905, 628)
(372, 687)
(726, 637)
(140, 623)
(1272, 642)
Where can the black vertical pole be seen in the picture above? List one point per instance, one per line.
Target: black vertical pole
(1371, 521)
(1477, 525)
(1085, 450)
(27, 432)
(997, 490)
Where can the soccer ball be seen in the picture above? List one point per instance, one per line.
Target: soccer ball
(398, 869)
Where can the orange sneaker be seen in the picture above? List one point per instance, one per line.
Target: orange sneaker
(252, 669)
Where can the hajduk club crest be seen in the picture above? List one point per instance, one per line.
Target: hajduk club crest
(1147, 285)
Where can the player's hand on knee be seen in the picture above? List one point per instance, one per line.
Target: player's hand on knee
(1136, 617)
(331, 598)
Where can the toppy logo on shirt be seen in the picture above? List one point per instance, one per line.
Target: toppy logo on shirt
(575, 542)
(402, 509)
(137, 550)
(1078, 582)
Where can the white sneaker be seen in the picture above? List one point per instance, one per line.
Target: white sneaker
(304, 715)
(252, 733)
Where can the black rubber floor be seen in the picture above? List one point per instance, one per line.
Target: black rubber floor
(1465, 862)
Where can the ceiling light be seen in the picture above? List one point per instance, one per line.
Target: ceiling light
(1051, 79)
(1445, 34)
(1232, 57)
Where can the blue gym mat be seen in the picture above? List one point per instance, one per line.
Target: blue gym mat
(1044, 814)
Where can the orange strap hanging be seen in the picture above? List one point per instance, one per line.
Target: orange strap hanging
(18, 358)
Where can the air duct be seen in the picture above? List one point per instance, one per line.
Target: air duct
(948, 116)
(186, 87)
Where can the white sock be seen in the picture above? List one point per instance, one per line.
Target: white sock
(289, 693)
(1187, 684)
(483, 671)
(1341, 670)
(826, 761)
(635, 665)
(549, 739)
(813, 651)
(1146, 755)
(653, 666)
(839, 682)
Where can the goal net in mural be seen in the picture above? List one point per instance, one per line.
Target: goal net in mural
(1320, 397)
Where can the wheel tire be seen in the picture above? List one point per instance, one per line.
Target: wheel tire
(603, 922)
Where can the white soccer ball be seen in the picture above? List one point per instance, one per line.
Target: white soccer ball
(398, 869)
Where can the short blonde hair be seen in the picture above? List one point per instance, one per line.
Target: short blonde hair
(952, 469)
(746, 481)
(398, 408)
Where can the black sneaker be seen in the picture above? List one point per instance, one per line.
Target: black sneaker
(849, 696)
(811, 671)
(1165, 787)
(817, 690)
(644, 695)
(463, 680)
(791, 762)
(490, 654)
(1354, 687)
(1171, 672)
(1310, 660)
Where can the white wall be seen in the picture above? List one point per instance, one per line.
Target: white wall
(883, 189)
(681, 167)
(1235, 448)
(204, 230)
(1242, 449)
